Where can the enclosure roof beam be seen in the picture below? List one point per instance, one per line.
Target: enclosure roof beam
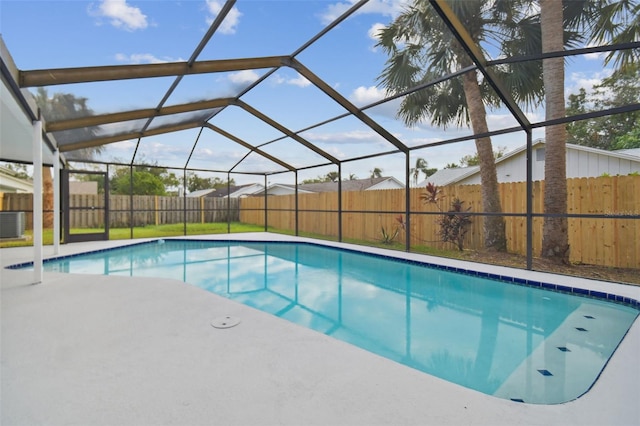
(249, 147)
(337, 97)
(474, 52)
(96, 120)
(127, 136)
(286, 131)
(56, 76)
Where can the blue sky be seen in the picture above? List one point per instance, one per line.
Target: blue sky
(58, 34)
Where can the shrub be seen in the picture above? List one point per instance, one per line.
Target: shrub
(455, 222)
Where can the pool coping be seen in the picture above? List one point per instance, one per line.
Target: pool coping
(611, 400)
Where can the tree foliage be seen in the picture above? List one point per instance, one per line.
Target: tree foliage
(143, 179)
(139, 182)
(63, 106)
(473, 160)
(421, 49)
(376, 172)
(421, 167)
(610, 132)
(198, 183)
(66, 106)
(18, 170)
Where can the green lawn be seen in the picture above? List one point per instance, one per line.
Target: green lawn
(150, 231)
(176, 230)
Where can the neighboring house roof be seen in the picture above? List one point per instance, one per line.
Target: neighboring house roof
(368, 184)
(10, 183)
(224, 191)
(445, 177)
(200, 193)
(236, 191)
(631, 151)
(469, 175)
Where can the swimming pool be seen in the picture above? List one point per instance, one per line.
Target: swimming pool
(516, 342)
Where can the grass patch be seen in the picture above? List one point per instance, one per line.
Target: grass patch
(422, 249)
(149, 231)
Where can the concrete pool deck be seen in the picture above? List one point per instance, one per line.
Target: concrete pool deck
(99, 350)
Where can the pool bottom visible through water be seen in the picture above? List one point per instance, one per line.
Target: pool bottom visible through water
(511, 341)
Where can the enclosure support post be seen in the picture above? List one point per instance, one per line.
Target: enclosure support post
(296, 201)
(184, 207)
(265, 203)
(407, 203)
(131, 222)
(340, 202)
(37, 201)
(229, 204)
(529, 192)
(56, 201)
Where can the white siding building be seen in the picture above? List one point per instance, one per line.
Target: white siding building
(582, 162)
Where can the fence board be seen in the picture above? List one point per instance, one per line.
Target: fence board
(606, 242)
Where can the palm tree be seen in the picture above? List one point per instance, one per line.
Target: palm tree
(421, 166)
(62, 106)
(563, 23)
(555, 233)
(376, 173)
(421, 49)
(332, 176)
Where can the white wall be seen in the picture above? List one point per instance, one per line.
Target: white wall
(580, 163)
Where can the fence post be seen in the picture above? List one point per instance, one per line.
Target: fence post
(155, 210)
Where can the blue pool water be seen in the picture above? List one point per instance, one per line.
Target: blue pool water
(512, 341)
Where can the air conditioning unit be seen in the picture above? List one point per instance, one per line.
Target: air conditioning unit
(12, 224)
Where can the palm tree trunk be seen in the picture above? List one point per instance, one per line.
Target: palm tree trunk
(494, 229)
(555, 235)
(47, 200)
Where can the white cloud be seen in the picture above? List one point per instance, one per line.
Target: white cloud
(230, 22)
(585, 80)
(335, 152)
(242, 77)
(143, 58)
(597, 56)
(333, 11)
(382, 7)
(374, 31)
(343, 137)
(121, 15)
(501, 121)
(299, 80)
(363, 96)
(366, 95)
(277, 79)
(125, 146)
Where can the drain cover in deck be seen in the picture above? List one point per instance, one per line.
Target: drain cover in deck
(225, 322)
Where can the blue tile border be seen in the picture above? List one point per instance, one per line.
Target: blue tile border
(70, 256)
(611, 297)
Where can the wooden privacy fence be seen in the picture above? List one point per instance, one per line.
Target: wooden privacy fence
(147, 209)
(597, 241)
(157, 210)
